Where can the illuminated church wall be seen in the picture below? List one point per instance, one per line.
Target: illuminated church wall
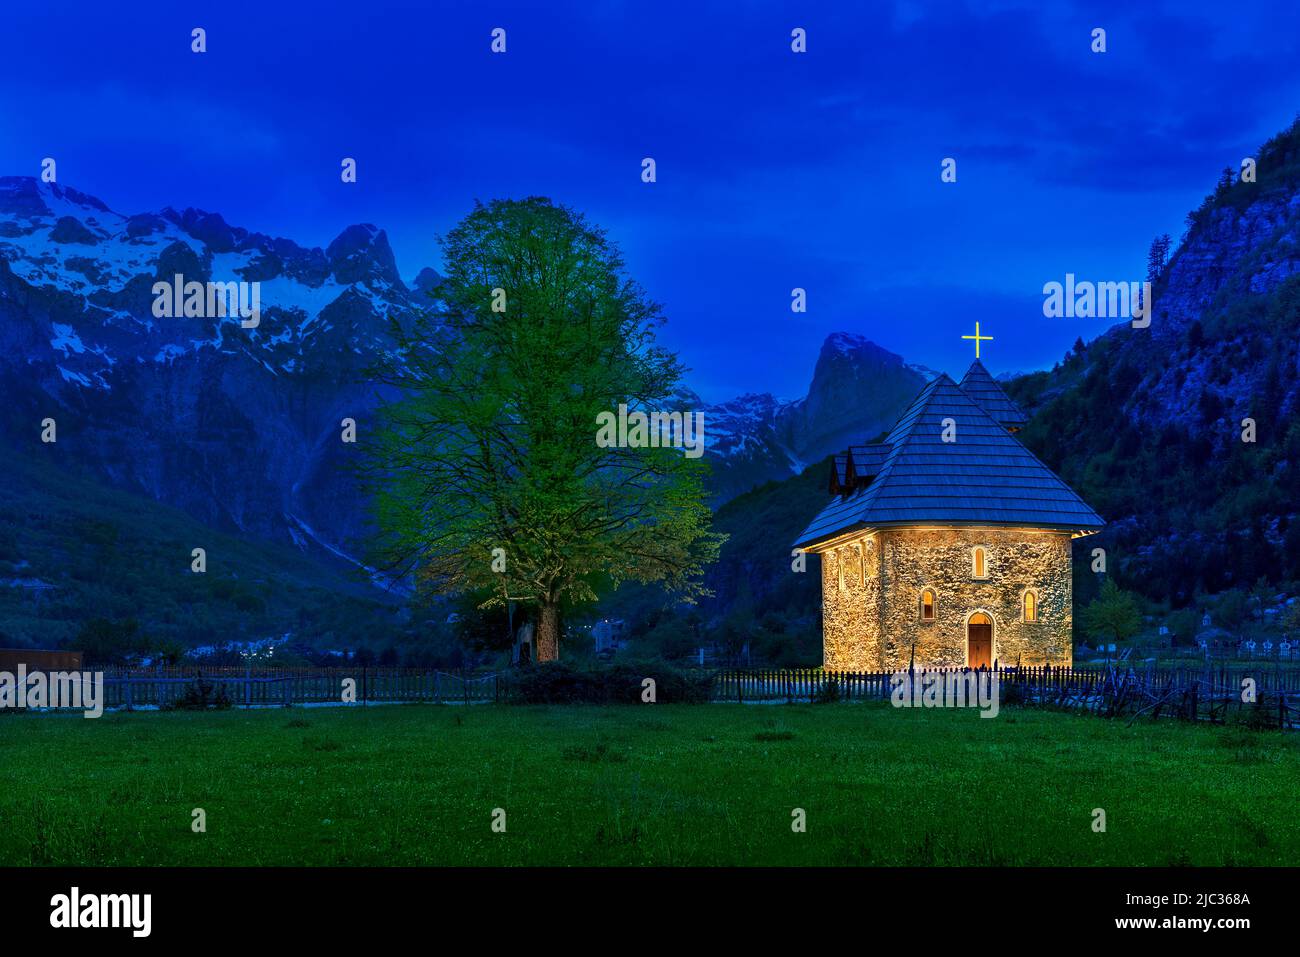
(871, 622)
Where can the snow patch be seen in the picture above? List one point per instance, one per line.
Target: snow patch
(74, 377)
(66, 339)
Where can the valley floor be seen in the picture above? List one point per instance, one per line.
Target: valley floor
(660, 785)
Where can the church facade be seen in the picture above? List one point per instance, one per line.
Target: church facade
(949, 543)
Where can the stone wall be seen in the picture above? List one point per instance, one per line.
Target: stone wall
(872, 625)
(851, 612)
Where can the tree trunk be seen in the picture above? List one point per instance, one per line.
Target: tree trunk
(548, 633)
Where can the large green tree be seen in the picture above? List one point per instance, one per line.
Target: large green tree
(487, 476)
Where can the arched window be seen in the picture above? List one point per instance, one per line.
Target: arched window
(979, 562)
(927, 605)
(1031, 606)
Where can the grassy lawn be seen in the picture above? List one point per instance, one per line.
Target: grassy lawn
(657, 784)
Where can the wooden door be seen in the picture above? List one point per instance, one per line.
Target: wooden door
(979, 639)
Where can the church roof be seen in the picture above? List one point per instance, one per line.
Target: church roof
(840, 473)
(857, 466)
(984, 477)
(989, 396)
(867, 459)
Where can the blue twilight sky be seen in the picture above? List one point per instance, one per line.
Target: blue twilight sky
(775, 170)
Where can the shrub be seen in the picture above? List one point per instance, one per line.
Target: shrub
(201, 694)
(1011, 692)
(617, 684)
(1260, 715)
(828, 692)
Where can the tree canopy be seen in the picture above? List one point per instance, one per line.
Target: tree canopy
(486, 474)
(1113, 615)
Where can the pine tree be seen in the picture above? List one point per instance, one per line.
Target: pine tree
(1158, 257)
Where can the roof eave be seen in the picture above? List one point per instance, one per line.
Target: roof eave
(826, 542)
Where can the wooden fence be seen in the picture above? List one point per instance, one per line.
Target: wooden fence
(1209, 693)
(1217, 694)
(265, 687)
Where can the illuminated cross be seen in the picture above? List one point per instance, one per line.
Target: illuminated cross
(978, 339)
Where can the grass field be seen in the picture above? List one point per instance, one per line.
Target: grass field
(662, 785)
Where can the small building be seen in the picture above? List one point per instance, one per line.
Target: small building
(949, 540)
(39, 659)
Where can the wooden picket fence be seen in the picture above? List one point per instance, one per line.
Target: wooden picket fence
(1216, 694)
(267, 687)
(1210, 693)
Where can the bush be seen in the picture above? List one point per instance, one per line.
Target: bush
(1260, 715)
(828, 692)
(201, 694)
(1011, 692)
(618, 684)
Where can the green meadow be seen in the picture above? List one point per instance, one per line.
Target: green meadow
(651, 785)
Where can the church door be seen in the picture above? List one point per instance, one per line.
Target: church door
(979, 640)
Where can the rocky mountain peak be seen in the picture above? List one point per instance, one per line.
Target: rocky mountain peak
(858, 390)
(425, 281)
(27, 197)
(362, 252)
(208, 228)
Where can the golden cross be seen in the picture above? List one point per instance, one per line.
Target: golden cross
(978, 339)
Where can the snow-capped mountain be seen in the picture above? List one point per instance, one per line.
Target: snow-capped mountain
(239, 424)
(98, 267)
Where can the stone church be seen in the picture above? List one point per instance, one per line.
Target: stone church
(949, 540)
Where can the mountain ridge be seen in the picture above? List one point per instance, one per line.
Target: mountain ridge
(1151, 425)
(76, 290)
(240, 428)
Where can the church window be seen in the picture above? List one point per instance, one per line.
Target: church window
(1031, 606)
(979, 562)
(927, 605)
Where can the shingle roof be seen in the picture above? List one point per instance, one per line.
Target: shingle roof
(867, 459)
(841, 477)
(984, 477)
(988, 395)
